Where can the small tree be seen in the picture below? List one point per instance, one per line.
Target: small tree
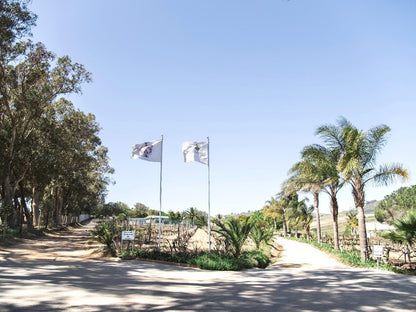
(404, 232)
(235, 232)
(262, 232)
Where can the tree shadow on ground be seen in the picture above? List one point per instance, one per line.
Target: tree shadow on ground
(142, 286)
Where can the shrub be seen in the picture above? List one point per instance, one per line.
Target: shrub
(104, 232)
(257, 258)
(220, 263)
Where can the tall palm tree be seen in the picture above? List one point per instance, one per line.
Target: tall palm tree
(305, 178)
(358, 150)
(318, 168)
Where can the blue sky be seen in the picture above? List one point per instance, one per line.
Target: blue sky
(257, 77)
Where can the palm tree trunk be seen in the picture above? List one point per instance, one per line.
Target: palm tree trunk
(334, 212)
(284, 226)
(318, 219)
(358, 193)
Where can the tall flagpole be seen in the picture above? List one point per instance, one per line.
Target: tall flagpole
(160, 193)
(209, 203)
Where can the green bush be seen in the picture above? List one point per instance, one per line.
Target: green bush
(221, 263)
(206, 261)
(105, 233)
(257, 258)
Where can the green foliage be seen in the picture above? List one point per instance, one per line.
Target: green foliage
(352, 221)
(262, 231)
(139, 211)
(405, 229)
(121, 217)
(206, 261)
(201, 220)
(113, 209)
(235, 231)
(175, 217)
(105, 233)
(395, 205)
(50, 150)
(221, 263)
(256, 258)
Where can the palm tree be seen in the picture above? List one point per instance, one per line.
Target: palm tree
(358, 150)
(276, 209)
(305, 177)
(191, 213)
(318, 171)
(352, 221)
(262, 232)
(235, 232)
(306, 218)
(404, 232)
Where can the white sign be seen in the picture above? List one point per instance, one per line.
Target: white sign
(378, 251)
(127, 235)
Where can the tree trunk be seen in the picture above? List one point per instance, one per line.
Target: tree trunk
(35, 206)
(358, 193)
(284, 226)
(318, 218)
(28, 214)
(334, 212)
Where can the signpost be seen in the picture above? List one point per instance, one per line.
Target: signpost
(378, 253)
(128, 236)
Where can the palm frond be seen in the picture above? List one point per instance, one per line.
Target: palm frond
(389, 173)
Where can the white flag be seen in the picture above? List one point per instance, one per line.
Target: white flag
(150, 151)
(195, 151)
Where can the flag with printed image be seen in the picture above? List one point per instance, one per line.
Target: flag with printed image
(150, 151)
(195, 151)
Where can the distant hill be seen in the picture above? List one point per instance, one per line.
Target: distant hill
(326, 218)
(370, 206)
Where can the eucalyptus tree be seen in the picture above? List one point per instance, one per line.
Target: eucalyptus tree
(50, 151)
(357, 164)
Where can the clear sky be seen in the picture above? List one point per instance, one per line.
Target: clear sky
(257, 77)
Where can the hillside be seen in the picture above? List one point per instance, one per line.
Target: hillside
(326, 218)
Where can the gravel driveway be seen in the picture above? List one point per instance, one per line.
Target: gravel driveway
(303, 280)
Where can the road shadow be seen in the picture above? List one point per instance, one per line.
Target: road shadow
(142, 286)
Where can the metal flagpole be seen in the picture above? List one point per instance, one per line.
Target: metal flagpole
(209, 203)
(160, 193)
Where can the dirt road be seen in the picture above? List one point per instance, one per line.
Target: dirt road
(65, 245)
(67, 282)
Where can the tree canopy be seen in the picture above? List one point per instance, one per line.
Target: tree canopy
(395, 205)
(52, 156)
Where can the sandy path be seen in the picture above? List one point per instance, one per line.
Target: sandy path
(300, 255)
(67, 245)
